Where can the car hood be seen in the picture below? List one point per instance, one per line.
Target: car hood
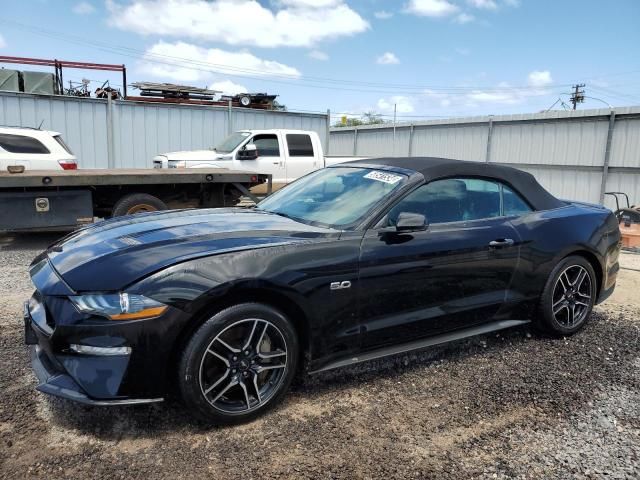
(112, 254)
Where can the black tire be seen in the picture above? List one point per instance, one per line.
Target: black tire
(137, 203)
(220, 390)
(571, 306)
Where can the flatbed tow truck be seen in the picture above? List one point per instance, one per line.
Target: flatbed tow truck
(67, 199)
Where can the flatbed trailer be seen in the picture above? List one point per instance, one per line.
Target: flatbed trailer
(67, 199)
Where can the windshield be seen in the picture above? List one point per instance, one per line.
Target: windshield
(333, 197)
(230, 143)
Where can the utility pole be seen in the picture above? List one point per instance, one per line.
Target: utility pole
(578, 95)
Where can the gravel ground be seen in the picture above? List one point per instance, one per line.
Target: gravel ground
(508, 405)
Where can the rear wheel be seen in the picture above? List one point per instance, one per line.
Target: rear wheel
(238, 364)
(569, 296)
(137, 203)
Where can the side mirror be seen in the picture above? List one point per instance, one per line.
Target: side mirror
(248, 152)
(411, 222)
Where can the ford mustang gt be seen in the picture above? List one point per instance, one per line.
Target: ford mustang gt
(349, 263)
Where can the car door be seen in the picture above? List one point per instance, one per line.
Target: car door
(301, 157)
(269, 160)
(452, 275)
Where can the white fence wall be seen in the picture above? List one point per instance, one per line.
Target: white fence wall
(126, 134)
(566, 151)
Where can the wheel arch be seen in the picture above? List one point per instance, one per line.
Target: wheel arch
(271, 297)
(595, 263)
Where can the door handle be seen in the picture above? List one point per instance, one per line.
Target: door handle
(501, 243)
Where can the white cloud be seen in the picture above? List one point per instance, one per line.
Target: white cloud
(173, 61)
(432, 8)
(3, 42)
(227, 87)
(463, 51)
(403, 104)
(483, 4)
(382, 15)
(512, 3)
(185, 62)
(294, 23)
(387, 58)
(464, 18)
(540, 78)
(502, 94)
(83, 8)
(309, 3)
(318, 55)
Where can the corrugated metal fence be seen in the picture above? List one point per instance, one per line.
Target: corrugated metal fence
(105, 134)
(576, 155)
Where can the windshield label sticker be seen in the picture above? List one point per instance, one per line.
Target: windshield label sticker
(383, 177)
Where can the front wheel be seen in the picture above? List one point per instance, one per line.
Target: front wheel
(238, 364)
(568, 296)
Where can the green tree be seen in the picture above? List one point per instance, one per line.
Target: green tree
(367, 118)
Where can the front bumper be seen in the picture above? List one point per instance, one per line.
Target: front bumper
(56, 383)
(87, 379)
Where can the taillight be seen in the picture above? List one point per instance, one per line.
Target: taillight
(68, 164)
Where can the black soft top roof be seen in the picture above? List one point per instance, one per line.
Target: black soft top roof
(433, 168)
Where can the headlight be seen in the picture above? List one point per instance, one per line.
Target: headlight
(119, 306)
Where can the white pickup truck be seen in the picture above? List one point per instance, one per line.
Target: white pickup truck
(285, 154)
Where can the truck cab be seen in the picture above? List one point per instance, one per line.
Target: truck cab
(34, 149)
(285, 154)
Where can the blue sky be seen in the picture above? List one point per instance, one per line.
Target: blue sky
(429, 57)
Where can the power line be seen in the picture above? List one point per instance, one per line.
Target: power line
(258, 74)
(620, 95)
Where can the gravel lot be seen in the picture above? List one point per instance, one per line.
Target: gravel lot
(512, 405)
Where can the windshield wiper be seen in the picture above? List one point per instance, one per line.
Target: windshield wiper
(282, 214)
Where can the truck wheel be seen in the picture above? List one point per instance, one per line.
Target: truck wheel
(137, 203)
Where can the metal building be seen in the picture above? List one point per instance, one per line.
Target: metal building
(113, 134)
(575, 154)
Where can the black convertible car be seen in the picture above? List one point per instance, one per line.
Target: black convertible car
(349, 263)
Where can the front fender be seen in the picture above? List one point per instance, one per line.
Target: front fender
(293, 277)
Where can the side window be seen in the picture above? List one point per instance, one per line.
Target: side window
(21, 144)
(483, 199)
(452, 200)
(299, 145)
(267, 145)
(513, 204)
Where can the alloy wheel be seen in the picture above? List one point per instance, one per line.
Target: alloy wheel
(243, 366)
(572, 296)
